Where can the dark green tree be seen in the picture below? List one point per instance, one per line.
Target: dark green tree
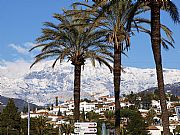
(10, 119)
(134, 99)
(25, 109)
(41, 126)
(86, 100)
(146, 100)
(135, 122)
(177, 130)
(57, 101)
(149, 118)
(83, 115)
(156, 94)
(92, 116)
(52, 106)
(59, 112)
(109, 115)
(67, 128)
(48, 108)
(174, 98)
(38, 126)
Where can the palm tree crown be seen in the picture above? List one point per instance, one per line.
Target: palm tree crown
(155, 7)
(113, 16)
(74, 41)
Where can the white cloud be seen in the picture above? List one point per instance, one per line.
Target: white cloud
(19, 49)
(22, 49)
(13, 69)
(29, 44)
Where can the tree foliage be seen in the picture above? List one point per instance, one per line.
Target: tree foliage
(59, 112)
(177, 129)
(92, 116)
(38, 126)
(149, 118)
(67, 128)
(10, 119)
(73, 40)
(135, 122)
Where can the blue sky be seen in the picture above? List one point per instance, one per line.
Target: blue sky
(22, 20)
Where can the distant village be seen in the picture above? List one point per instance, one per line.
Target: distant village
(56, 113)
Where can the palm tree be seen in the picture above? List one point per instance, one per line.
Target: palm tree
(114, 17)
(73, 41)
(113, 20)
(155, 7)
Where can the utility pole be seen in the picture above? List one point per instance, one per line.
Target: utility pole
(24, 89)
(28, 119)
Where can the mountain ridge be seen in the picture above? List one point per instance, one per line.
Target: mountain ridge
(41, 84)
(19, 103)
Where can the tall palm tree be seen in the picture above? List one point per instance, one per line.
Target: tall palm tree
(73, 41)
(114, 17)
(156, 6)
(113, 20)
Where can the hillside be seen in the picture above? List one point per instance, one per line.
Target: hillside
(170, 88)
(18, 102)
(42, 84)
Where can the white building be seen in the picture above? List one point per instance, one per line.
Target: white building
(173, 118)
(156, 106)
(111, 106)
(125, 104)
(63, 109)
(158, 130)
(36, 114)
(87, 106)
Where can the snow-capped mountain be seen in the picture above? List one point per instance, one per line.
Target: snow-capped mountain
(41, 84)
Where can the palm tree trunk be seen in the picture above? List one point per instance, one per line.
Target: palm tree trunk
(156, 47)
(77, 84)
(117, 79)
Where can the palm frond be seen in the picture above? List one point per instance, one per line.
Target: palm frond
(50, 52)
(73, 39)
(54, 63)
(50, 24)
(37, 46)
(173, 11)
(39, 59)
(81, 4)
(131, 15)
(166, 30)
(61, 18)
(166, 43)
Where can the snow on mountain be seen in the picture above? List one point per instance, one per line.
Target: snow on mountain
(41, 84)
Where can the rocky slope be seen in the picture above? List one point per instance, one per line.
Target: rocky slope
(41, 84)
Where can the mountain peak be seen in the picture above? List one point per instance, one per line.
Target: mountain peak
(42, 84)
